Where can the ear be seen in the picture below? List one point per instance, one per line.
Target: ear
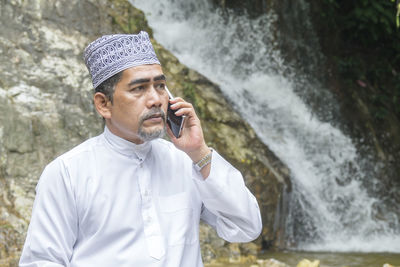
(103, 105)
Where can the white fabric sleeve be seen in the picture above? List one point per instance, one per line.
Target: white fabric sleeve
(53, 227)
(229, 206)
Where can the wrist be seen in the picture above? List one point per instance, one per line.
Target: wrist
(200, 153)
(201, 164)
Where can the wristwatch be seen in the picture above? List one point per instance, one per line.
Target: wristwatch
(204, 161)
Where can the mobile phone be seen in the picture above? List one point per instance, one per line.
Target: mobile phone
(175, 122)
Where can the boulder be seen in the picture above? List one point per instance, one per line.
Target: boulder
(308, 263)
(46, 109)
(271, 263)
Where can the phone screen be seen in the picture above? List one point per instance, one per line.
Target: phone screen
(174, 122)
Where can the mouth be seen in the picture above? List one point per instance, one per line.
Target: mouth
(154, 118)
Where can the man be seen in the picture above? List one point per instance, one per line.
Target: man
(127, 197)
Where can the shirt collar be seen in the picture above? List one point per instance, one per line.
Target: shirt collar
(126, 147)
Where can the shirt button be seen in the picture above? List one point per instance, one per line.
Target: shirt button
(148, 220)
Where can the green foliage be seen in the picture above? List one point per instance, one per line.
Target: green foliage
(365, 20)
(397, 13)
(367, 48)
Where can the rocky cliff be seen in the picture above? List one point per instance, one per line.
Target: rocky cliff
(46, 109)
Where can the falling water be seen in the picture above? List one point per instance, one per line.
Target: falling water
(330, 208)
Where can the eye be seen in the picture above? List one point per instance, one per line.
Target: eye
(160, 86)
(137, 88)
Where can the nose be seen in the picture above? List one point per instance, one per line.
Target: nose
(154, 98)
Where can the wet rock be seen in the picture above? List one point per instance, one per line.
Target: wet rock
(270, 263)
(308, 263)
(249, 249)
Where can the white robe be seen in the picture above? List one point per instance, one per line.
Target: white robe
(109, 202)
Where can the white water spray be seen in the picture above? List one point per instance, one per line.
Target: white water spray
(330, 208)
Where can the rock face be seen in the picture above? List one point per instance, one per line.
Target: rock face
(46, 109)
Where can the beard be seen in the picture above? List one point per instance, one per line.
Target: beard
(152, 134)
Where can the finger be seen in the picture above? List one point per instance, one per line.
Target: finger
(180, 105)
(176, 100)
(185, 111)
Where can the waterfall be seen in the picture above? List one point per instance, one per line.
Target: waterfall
(331, 209)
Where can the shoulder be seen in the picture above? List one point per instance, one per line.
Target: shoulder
(76, 154)
(58, 170)
(82, 149)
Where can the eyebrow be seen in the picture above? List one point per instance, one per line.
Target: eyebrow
(160, 78)
(146, 80)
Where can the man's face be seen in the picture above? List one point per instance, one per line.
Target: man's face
(139, 104)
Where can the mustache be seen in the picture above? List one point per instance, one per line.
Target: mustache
(153, 112)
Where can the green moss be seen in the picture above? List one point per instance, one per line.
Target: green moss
(6, 226)
(190, 95)
(127, 19)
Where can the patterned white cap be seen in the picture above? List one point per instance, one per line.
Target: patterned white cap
(111, 54)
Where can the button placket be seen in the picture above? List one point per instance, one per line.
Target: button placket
(151, 225)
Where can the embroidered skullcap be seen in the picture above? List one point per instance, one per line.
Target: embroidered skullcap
(111, 54)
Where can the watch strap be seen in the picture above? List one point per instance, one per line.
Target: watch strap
(203, 162)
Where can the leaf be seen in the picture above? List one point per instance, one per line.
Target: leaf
(397, 16)
(378, 7)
